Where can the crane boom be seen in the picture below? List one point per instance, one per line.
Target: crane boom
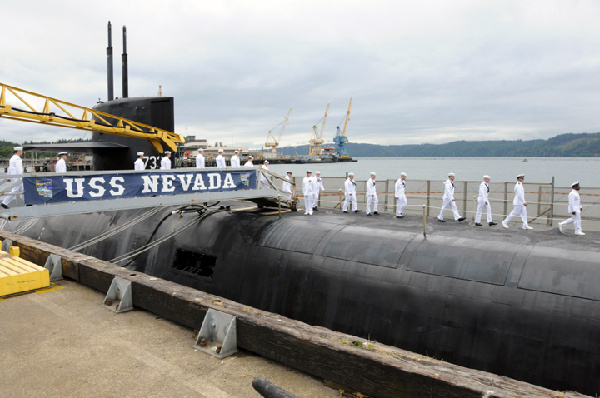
(347, 119)
(65, 114)
(317, 140)
(273, 142)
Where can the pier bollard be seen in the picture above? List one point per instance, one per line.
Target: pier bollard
(424, 220)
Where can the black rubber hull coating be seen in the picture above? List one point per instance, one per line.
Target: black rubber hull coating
(270, 390)
(507, 303)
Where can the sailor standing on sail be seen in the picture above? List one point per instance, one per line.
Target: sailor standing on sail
(372, 194)
(287, 186)
(264, 182)
(400, 195)
(221, 160)
(200, 162)
(575, 209)
(139, 163)
(165, 162)
(350, 190)
(448, 200)
(519, 204)
(235, 159)
(317, 189)
(308, 186)
(61, 165)
(15, 167)
(249, 162)
(482, 200)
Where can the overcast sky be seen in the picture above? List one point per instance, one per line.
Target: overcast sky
(427, 71)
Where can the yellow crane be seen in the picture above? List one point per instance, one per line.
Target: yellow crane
(273, 142)
(317, 141)
(59, 113)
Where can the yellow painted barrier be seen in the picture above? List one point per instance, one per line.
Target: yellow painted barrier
(18, 275)
(15, 251)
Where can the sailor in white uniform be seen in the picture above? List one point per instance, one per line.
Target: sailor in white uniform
(519, 204)
(483, 201)
(221, 160)
(139, 163)
(287, 186)
(372, 194)
(235, 159)
(200, 161)
(264, 181)
(448, 200)
(350, 191)
(15, 167)
(308, 186)
(400, 195)
(249, 162)
(61, 165)
(575, 209)
(317, 190)
(165, 162)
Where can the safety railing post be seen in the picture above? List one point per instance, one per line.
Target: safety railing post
(551, 218)
(424, 220)
(428, 196)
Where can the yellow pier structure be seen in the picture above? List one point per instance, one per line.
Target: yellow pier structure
(18, 275)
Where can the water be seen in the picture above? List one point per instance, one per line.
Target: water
(564, 170)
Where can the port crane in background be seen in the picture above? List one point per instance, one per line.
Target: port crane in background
(273, 142)
(59, 113)
(340, 138)
(317, 140)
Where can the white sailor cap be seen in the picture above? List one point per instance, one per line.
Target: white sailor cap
(220, 150)
(403, 174)
(140, 153)
(236, 151)
(250, 157)
(266, 161)
(18, 148)
(487, 176)
(318, 172)
(166, 152)
(308, 171)
(451, 175)
(200, 150)
(351, 174)
(373, 173)
(521, 175)
(61, 153)
(575, 184)
(288, 172)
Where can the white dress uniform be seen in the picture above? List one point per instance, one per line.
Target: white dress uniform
(139, 165)
(248, 164)
(235, 161)
(15, 167)
(165, 163)
(318, 188)
(287, 188)
(482, 200)
(574, 206)
(200, 161)
(371, 196)
(264, 182)
(400, 196)
(308, 186)
(350, 191)
(519, 207)
(447, 200)
(221, 162)
(61, 166)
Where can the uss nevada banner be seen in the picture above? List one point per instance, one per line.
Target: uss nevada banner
(56, 189)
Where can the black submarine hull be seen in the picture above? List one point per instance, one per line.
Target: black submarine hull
(523, 305)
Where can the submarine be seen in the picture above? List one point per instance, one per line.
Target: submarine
(515, 303)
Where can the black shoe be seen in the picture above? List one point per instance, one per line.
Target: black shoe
(369, 214)
(461, 219)
(375, 213)
(477, 224)
(3, 205)
(356, 211)
(345, 211)
(493, 223)
(315, 208)
(441, 220)
(400, 216)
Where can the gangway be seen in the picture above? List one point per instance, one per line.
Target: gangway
(54, 194)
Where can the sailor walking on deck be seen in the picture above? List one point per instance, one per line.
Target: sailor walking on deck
(15, 167)
(249, 162)
(575, 209)
(221, 160)
(317, 191)
(372, 194)
(264, 181)
(519, 204)
(235, 159)
(165, 162)
(139, 163)
(350, 191)
(482, 200)
(400, 195)
(61, 165)
(287, 186)
(308, 186)
(448, 200)
(200, 161)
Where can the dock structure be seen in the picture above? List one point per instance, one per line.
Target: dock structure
(368, 367)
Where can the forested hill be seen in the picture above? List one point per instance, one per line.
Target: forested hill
(564, 145)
